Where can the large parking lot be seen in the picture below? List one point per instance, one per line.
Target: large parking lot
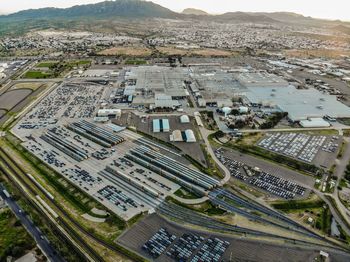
(121, 169)
(275, 185)
(318, 150)
(203, 246)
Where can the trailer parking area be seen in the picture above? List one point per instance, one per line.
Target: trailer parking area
(318, 150)
(238, 247)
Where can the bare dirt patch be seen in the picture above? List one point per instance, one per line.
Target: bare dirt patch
(126, 51)
(11, 98)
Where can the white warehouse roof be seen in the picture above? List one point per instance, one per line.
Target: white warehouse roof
(314, 122)
(190, 137)
(300, 104)
(176, 136)
(107, 112)
(184, 119)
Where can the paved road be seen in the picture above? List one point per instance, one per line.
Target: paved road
(340, 169)
(42, 242)
(205, 133)
(338, 128)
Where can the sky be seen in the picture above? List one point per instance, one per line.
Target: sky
(329, 9)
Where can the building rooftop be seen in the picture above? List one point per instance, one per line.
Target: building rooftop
(299, 103)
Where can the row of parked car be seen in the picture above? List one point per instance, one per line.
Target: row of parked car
(158, 243)
(275, 185)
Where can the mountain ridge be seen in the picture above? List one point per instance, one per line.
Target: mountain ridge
(147, 9)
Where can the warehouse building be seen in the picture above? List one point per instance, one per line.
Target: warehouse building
(300, 104)
(183, 136)
(261, 79)
(190, 137)
(176, 136)
(184, 119)
(161, 125)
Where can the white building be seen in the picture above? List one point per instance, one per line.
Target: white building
(184, 119)
(190, 137)
(109, 112)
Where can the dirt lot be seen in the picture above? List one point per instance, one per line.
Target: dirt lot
(2, 113)
(316, 53)
(126, 51)
(239, 250)
(205, 52)
(33, 86)
(11, 98)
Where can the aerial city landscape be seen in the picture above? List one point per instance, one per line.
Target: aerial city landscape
(131, 132)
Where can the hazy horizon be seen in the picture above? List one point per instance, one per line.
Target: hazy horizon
(312, 8)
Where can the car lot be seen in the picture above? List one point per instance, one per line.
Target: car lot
(303, 147)
(240, 247)
(187, 247)
(272, 184)
(103, 162)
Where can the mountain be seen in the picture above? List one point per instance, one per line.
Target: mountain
(342, 29)
(193, 11)
(103, 10)
(244, 17)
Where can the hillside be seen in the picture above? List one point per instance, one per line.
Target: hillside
(245, 18)
(193, 11)
(103, 10)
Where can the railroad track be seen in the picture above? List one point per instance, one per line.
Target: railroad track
(175, 212)
(214, 196)
(63, 224)
(179, 213)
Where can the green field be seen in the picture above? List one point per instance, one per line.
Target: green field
(55, 68)
(47, 64)
(37, 75)
(14, 239)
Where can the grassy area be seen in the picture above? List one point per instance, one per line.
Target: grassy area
(48, 64)
(183, 193)
(14, 239)
(37, 75)
(55, 68)
(324, 221)
(205, 207)
(292, 205)
(135, 62)
(208, 120)
(342, 149)
(344, 121)
(247, 145)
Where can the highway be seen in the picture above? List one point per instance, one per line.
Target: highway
(34, 231)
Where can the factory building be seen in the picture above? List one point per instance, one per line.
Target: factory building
(261, 79)
(301, 104)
